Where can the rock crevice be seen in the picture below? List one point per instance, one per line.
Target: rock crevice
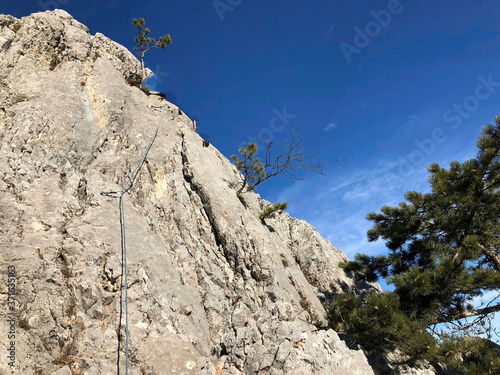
(211, 289)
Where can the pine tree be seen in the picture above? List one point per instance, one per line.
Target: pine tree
(252, 170)
(146, 43)
(291, 156)
(443, 247)
(377, 323)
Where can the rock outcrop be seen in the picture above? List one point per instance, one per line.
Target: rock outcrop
(212, 289)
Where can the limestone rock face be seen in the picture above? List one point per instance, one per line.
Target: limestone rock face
(211, 288)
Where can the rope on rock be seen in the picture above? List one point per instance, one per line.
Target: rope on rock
(115, 194)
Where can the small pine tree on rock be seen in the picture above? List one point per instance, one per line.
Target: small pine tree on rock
(251, 167)
(146, 43)
(291, 157)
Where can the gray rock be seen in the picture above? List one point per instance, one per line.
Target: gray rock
(63, 371)
(208, 290)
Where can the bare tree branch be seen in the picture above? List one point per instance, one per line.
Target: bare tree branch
(292, 156)
(467, 314)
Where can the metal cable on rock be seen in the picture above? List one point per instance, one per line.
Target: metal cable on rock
(114, 194)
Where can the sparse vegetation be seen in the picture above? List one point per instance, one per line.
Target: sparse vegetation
(291, 157)
(271, 210)
(251, 167)
(305, 303)
(97, 55)
(146, 43)
(55, 59)
(16, 26)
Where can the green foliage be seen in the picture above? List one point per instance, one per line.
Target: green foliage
(443, 254)
(367, 268)
(291, 156)
(251, 167)
(444, 245)
(146, 43)
(473, 355)
(378, 324)
(55, 58)
(270, 211)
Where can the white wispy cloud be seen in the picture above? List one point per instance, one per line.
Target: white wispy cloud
(342, 200)
(330, 126)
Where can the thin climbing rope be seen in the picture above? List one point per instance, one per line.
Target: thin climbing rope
(114, 194)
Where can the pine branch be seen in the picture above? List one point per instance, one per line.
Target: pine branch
(492, 255)
(468, 314)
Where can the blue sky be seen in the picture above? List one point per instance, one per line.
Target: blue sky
(389, 86)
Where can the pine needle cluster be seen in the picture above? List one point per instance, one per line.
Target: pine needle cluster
(271, 210)
(146, 43)
(377, 324)
(251, 167)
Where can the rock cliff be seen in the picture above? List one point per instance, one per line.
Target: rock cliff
(211, 288)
